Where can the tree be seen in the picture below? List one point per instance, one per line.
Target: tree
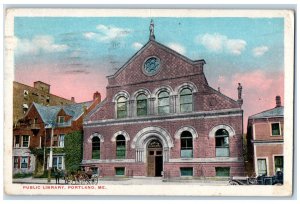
(73, 150)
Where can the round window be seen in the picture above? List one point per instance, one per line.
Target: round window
(151, 65)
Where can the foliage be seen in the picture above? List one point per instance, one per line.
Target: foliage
(73, 150)
(22, 175)
(37, 151)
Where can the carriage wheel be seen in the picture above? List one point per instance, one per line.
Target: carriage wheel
(94, 180)
(233, 183)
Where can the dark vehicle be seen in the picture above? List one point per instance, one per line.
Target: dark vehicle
(260, 180)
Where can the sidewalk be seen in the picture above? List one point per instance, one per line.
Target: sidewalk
(131, 181)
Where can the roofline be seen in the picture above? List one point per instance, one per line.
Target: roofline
(193, 62)
(222, 94)
(95, 109)
(45, 92)
(266, 111)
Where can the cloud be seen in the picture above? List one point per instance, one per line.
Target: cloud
(177, 47)
(89, 35)
(107, 33)
(37, 44)
(260, 51)
(137, 45)
(220, 43)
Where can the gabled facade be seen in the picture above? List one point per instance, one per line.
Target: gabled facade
(265, 139)
(33, 132)
(160, 116)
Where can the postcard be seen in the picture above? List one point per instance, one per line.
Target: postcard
(164, 102)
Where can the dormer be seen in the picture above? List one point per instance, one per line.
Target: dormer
(62, 117)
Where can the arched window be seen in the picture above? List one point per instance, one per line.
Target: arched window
(163, 103)
(186, 100)
(222, 143)
(141, 105)
(96, 148)
(121, 107)
(186, 142)
(121, 146)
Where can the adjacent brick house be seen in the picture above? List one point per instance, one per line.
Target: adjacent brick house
(265, 137)
(160, 115)
(33, 131)
(24, 95)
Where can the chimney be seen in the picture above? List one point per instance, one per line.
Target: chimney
(72, 99)
(278, 101)
(97, 95)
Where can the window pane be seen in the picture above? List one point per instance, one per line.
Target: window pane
(141, 112)
(96, 148)
(163, 110)
(25, 140)
(278, 163)
(163, 102)
(122, 106)
(186, 107)
(24, 162)
(186, 153)
(141, 97)
(120, 171)
(185, 91)
(186, 171)
(222, 152)
(186, 99)
(142, 107)
(262, 167)
(95, 154)
(122, 114)
(16, 162)
(275, 129)
(163, 94)
(142, 104)
(223, 171)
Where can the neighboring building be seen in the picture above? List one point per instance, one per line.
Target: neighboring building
(160, 115)
(34, 131)
(265, 140)
(24, 95)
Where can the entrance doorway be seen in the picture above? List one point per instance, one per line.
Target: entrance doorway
(154, 158)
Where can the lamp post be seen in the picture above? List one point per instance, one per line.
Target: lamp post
(50, 155)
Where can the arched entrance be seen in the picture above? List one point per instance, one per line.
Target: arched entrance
(154, 158)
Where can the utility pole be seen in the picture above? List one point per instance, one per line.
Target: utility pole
(50, 156)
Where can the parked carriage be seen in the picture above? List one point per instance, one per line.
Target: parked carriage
(82, 177)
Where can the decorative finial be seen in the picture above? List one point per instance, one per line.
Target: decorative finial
(151, 28)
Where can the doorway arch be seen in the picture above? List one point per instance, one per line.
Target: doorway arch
(154, 158)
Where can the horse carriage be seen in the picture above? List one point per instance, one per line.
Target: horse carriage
(83, 176)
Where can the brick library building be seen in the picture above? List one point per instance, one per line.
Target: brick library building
(161, 117)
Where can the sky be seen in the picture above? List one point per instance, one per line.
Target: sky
(75, 54)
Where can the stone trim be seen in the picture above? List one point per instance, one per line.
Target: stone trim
(122, 132)
(186, 128)
(190, 85)
(95, 135)
(206, 160)
(101, 161)
(172, 117)
(119, 94)
(139, 140)
(229, 129)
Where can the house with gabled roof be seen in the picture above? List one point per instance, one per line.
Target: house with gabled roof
(43, 127)
(265, 139)
(161, 117)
